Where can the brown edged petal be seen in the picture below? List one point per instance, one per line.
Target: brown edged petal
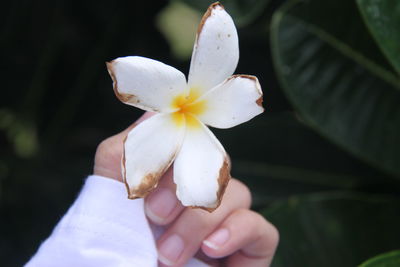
(149, 149)
(201, 169)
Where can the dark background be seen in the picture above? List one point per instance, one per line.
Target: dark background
(57, 104)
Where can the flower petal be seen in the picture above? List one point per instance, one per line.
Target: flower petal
(149, 150)
(146, 83)
(201, 169)
(216, 50)
(233, 102)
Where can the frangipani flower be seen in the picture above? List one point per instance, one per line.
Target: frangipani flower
(177, 133)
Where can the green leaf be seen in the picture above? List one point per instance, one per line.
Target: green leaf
(389, 259)
(243, 11)
(323, 67)
(336, 229)
(20, 132)
(178, 23)
(383, 20)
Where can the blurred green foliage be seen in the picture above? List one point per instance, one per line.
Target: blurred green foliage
(178, 23)
(337, 78)
(334, 229)
(389, 259)
(322, 162)
(329, 61)
(383, 21)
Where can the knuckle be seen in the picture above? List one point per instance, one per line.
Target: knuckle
(102, 147)
(243, 192)
(273, 234)
(206, 220)
(243, 213)
(268, 230)
(101, 151)
(240, 216)
(107, 152)
(256, 221)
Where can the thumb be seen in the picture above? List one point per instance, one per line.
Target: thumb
(107, 161)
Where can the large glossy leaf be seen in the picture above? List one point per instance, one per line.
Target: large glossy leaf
(383, 20)
(337, 229)
(389, 259)
(337, 80)
(242, 11)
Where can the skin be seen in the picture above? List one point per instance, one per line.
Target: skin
(251, 240)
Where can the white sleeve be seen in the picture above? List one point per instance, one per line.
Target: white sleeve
(102, 228)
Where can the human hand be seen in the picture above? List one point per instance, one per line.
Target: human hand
(230, 236)
(107, 160)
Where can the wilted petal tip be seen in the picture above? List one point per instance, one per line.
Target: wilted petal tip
(259, 102)
(207, 15)
(148, 184)
(223, 179)
(208, 209)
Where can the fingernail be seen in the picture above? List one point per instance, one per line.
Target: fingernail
(170, 250)
(160, 204)
(217, 239)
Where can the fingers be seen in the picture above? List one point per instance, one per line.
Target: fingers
(107, 161)
(246, 235)
(184, 237)
(161, 205)
(108, 156)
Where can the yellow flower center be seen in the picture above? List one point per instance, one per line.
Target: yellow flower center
(188, 108)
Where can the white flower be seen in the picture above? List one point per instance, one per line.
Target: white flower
(177, 134)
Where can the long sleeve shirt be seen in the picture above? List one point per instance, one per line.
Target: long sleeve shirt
(102, 228)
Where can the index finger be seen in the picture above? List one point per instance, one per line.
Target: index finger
(162, 206)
